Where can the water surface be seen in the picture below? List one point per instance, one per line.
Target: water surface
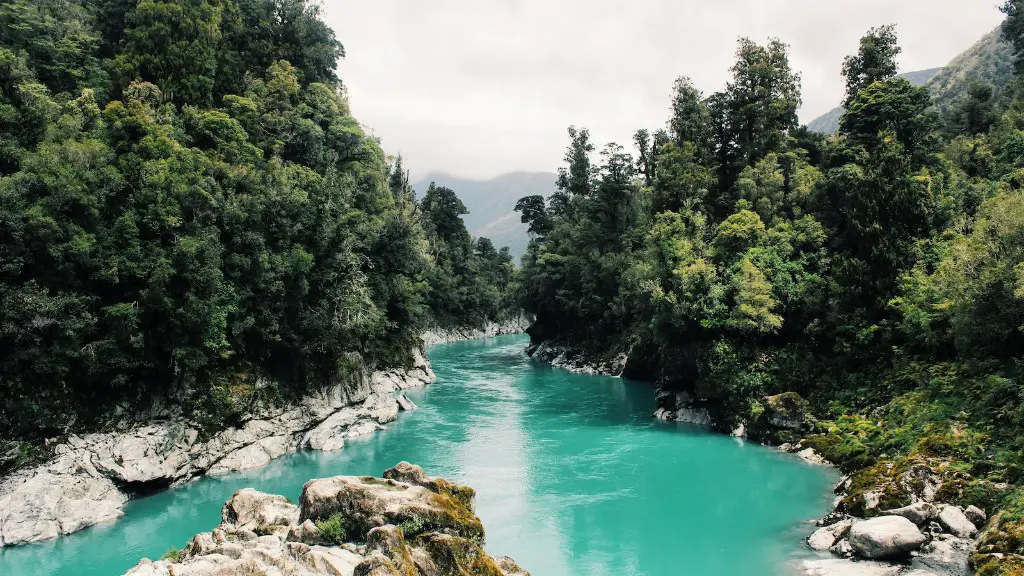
(573, 478)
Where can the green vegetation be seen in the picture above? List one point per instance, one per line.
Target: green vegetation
(334, 529)
(188, 210)
(173, 554)
(878, 273)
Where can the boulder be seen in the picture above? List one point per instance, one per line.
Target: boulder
(786, 411)
(953, 519)
(885, 537)
(307, 533)
(449, 553)
(976, 516)
(413, 474)
(946, 555)
(920, 513)
(404, 403)
(811, 456)
(825, 538)
(447, 537)
(329, 435)
(509, 567)
(389, 541)
(63, 499)
(367, 502)
(262, 513)
(377, 564)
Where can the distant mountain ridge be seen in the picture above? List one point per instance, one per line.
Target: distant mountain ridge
(828, 123)
(491, 203)
(989, 61)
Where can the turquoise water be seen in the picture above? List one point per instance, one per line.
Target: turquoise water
(573, 478)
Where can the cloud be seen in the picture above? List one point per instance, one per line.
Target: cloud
(481, 88)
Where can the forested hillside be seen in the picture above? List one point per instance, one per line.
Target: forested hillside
(878, 273)
(187, 205)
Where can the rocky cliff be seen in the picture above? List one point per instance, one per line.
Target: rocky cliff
(92, 476)
(404, 524)
(514, 325)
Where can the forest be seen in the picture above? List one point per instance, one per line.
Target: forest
(878, 274)
(187, 205)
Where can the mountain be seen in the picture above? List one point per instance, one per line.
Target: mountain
(828, 123)
(990, 61)
(491, 203)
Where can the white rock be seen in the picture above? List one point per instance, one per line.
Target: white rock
(837, 567)
(920, 513)
(250, 509)
(404, 403)
(885, 536)
(825, 538)
(329, 435)
(953, 519)
(80, 486)
(47, 504)
(811, 456)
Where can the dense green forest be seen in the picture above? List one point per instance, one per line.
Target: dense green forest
(186, 202)
(878, 273)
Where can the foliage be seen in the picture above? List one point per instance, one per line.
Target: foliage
(333, 530)
(185, 197)
(878, 273)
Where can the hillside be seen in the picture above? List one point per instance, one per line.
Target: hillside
(491, 203)
(828, 123)
(990, 61)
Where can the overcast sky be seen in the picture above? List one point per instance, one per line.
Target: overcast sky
(477, 88)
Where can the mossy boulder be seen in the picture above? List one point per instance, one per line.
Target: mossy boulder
(357, 525)
(781, 418)
(365, 503)
(455, 556)
(413, 474)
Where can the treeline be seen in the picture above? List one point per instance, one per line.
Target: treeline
(186, 202)
(879, 273)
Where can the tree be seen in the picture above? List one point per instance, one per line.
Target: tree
(875, 61)
(174, 45)
(576, 179)
(691, 118)
(754, 307)
(763, 98)
(534, 213)
(895, 107)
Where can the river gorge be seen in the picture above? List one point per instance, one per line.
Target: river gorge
(573, 477)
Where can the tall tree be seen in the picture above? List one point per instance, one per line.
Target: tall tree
(875, 61)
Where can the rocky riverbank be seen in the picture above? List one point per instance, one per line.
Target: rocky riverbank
(574, 360)
(514, 325)
(92, 476)
(404, 523)
(929, 533)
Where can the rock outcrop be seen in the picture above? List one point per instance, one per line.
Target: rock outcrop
(514, 325)
(573, 360)
(91, 477)
(372, 527)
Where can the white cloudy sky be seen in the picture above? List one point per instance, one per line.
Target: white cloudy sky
(477, 88)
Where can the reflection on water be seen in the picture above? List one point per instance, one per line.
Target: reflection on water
(573, 478)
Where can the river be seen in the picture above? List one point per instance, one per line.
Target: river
(573, 477)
